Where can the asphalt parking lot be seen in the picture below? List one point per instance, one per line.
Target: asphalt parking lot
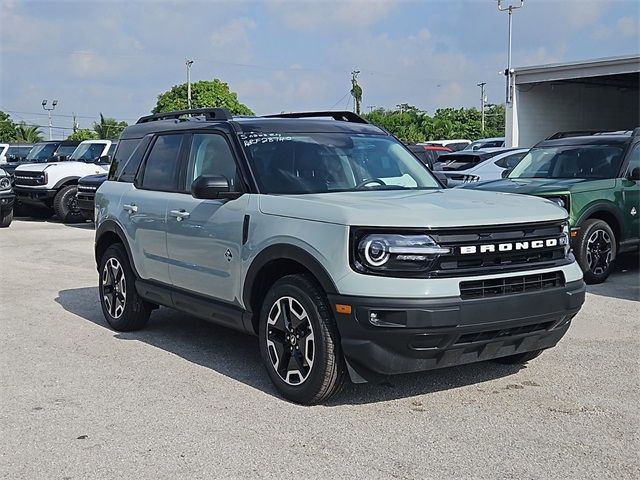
(187, 399)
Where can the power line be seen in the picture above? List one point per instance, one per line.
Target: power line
(341, 99)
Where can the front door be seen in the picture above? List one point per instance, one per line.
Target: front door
(204, 236)
(631, 196)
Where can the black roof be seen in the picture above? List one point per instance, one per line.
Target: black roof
(306, 122)
(586, 140)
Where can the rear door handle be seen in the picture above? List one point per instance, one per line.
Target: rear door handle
(179, 214)
(130, 208)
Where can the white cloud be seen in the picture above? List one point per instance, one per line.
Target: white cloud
(88, 64)
(233, 37)
(629, 26)
(307, 15)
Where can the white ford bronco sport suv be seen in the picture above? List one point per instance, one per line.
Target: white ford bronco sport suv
(327, 238)
(51, 187)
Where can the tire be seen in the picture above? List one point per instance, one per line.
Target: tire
(319, 369)
(519, 358)
(6, 218)
(595, 250)
(121, 305)
(65, 205)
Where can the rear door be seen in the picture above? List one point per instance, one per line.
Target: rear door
(631, 196)
(204, 237)
(144, 207)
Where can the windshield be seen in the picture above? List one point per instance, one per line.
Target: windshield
(87, 152)
(17, 153)
(583, 161)
(330, 162)
(42, 151)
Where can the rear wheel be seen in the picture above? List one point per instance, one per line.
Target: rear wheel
(66, 207)
(596, 250)
(299, 341)
(6, 218)
(121, 305)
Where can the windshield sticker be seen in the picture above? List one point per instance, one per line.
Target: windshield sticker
(254, 138)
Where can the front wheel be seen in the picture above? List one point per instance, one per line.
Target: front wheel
(299, 341)
(596, 250)
(65, 205)
(121, 305)
(6, 217)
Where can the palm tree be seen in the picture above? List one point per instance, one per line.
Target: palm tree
(108, 127)
(28, 133)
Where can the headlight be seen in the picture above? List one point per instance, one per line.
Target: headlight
(564, 239)
(5, 183)
(562, 201)
(383, 252)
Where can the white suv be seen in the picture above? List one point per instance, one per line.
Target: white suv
(48, 188)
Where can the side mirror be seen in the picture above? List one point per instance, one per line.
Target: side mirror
(635, 174)
(104, 159)
(506, 172)
(209, 187)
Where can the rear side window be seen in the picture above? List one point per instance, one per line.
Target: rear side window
(510, 161)
(123, 168)
(161, 168)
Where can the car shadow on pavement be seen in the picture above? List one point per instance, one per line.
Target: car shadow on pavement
(237, 355)
(624, 282)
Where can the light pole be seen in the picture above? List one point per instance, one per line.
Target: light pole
(508, 72)
(189, 63)
(49, 110)
(482, 100)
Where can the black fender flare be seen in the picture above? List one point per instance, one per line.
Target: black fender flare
(61, 182)
(288, 252)
(111, 226)
(602, 207)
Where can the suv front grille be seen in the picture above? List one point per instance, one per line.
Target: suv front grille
(29, 178)
(458, 263)
(510, 285)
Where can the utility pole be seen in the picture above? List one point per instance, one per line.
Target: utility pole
(49, 110)
(75, 123)
(508, 73)
(356, 91)
(482, 100)
(189, 63)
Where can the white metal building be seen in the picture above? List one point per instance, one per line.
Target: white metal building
(597, 94)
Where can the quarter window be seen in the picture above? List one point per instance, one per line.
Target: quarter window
(634, 159)
(161, 167)
(211, 155)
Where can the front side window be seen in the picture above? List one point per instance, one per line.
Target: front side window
(42, 151)
(575, 161)
(634, 159)
(331, 162)
(87, 152)
(211, 155)
(65, 150)
(161, 167)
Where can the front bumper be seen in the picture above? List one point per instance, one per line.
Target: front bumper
(7, 199)
(35, 195)
(86, 203)
(425, 334)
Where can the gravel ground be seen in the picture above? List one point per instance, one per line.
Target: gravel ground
(187, 399)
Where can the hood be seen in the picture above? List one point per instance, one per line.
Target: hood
(68, 164)
(93, 179)
(542, 186)
(432, 208)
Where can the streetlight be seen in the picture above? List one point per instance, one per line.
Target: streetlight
(189, 63)
(49, 110)
(483, 99)
(508, 72)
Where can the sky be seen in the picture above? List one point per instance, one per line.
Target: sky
(115, 57)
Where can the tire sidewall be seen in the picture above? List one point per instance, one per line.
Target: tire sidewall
(306, 391)
(61, 208)
(117, 252)
(590, 227)
(6, 217)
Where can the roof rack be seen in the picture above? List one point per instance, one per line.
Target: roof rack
(587, 133)
(342, 116)
(208, 113)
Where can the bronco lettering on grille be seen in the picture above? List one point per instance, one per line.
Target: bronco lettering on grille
(508, 247)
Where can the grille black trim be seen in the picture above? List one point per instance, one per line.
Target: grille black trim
(502, 333)
(496, 287)
(29, 178)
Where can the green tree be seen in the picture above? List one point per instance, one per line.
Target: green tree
(108, 128)
(83, 134)
(7, 128)
(28, 133)
(203, 94)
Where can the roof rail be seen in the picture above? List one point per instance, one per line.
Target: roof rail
(209, 114)
(343, 116)
(589, 133)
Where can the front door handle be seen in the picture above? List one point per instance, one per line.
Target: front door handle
(130, 208)
(179, 214)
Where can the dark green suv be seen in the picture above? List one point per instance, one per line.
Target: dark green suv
(596, 179)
